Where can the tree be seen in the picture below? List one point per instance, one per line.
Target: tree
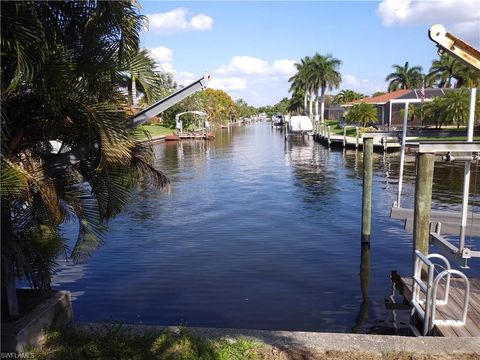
(346, 96)
(378, 93)
(404, 77)
(452, 108)
(299, 81)
(322, 74)
(362, 114)
(444, 70)
(68, 151)
(243, 109)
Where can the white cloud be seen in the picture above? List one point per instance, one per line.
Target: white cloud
(230, 83)
(162, 54)
(244, 65)
(185, 77)
(364, 86)
(284, 67)
(462, 16)
(176, 20)
(257, 81)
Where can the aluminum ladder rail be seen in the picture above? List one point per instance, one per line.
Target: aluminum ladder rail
(430, 288)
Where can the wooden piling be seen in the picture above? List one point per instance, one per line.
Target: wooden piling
(367, 188)
(357, 133)
(423, 201)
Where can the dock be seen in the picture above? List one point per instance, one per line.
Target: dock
(384, 143)
(453, 308)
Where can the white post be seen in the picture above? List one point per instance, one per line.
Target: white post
(390, 116)
(466, 173)
(357, 136)
(402, 155)
(328, 134)
(345, 136)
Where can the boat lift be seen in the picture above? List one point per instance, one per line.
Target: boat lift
(178, 122)
(452, 151)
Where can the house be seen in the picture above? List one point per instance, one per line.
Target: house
(389, 104)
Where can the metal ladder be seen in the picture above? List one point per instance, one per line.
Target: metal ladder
(430, 289)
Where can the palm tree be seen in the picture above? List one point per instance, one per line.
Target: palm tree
(444, 70)
(322, 74)
(346, 96)
(362, 114)
(404, 77)
(299, 81)
(467, 77)
(61, 63)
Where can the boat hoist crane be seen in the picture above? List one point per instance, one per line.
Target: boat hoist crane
(467, 151)
(65, 160)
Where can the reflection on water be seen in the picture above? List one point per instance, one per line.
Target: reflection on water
(256, 233)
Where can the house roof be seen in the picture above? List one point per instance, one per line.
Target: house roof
(403, 94)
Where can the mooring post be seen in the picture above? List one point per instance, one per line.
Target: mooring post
(356, 136)
(423, 202)
(328, 135)
(344, 136)
(367, 188)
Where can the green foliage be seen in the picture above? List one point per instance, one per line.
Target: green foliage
(446, 69)
(116, 341)
(362, 114)
(450, 109)
(404, 77)
(62, 64)
(314, 76)
(378, 93)
(242, 109)
(346, 96)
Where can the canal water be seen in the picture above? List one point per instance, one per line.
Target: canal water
(257, 233)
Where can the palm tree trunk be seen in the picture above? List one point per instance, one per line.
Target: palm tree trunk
(9, 287)
(134, 91)
(316, 104)
(311, 104)
(305, 96)
(322, 105)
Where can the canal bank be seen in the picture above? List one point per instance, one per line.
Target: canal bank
(311, 345)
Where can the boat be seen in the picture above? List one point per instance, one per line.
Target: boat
(300, 124)
(278, 120)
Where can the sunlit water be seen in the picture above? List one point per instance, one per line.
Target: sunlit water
(257, 233)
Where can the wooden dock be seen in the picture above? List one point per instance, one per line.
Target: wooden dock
(325, 136)
(453, 309)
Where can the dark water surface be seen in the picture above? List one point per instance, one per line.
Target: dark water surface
(256, 233)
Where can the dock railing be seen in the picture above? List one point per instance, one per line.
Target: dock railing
(427, 314)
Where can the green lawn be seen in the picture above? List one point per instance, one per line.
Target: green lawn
(117, 341)
(336, 129)
(157, 130)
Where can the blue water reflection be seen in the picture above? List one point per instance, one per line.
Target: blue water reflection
(256, 233)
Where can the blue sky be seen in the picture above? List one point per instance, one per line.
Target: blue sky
(250, 47)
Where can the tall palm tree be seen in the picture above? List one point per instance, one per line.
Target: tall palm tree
(444, 70)
(323, 73)
(404, 77)
(61, 63)
(300, 82)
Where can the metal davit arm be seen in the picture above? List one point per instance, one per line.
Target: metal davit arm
(454, 46)
(65, 160)
(172, 99)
